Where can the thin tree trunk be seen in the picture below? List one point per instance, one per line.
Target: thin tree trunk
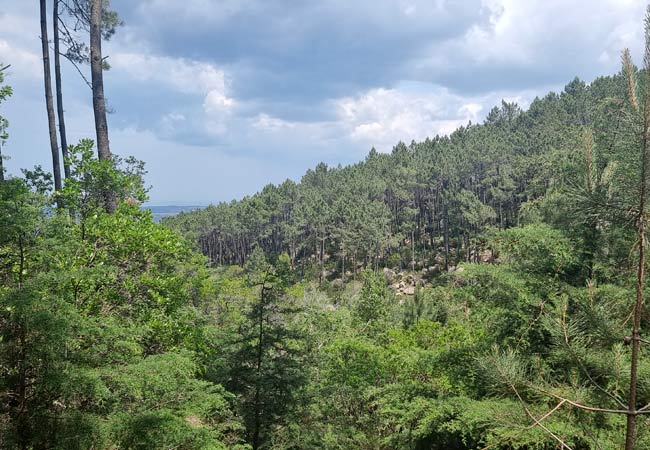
(49, 102)
(260, 349)
(413, 250)
(500, 215)
(59, 91)
(320, 265)
(2, 170)
(99, 102)
(97, 75)
(446, 237)
(630, 435)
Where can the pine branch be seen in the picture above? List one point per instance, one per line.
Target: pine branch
(580, 405)
(536, 422)
(628, 69)
(74, 64)
(565, 333)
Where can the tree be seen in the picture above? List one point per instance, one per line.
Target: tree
(629, 208)
(99, 102)
(76, 50)
(266, 368)
(638, 152)
(49, 102)
(372, 308)
(59, 89)
(98, 323)
(96, 68)
(5, 92)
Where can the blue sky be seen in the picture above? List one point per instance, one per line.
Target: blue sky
(221, 97)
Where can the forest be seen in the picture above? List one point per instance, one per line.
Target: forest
(478, 290)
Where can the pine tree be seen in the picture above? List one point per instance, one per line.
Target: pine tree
(266, 369)
(49, 101)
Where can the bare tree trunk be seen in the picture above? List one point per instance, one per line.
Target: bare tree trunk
(446, 237)
(49, 102)
(2, 170)
(413, 250)
(99, 102)
(96, 61)
(59, 91)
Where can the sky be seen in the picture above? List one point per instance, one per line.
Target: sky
(221, 97)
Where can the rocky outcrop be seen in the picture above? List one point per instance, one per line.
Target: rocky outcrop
(404, 283)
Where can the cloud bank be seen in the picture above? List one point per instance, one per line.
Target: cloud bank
(223, 97)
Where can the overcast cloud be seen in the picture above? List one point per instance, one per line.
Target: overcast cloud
(221, 97)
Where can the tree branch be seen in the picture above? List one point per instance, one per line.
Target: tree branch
(565, 333)
(74, 64)
(536, 422)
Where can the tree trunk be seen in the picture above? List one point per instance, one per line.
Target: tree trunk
(630, 436)
(99, 102)
(49, 102)
(2, 170)
(257, 425)
(446, 237)
(500, 215)
(59, 91)
(413, 250)
(97, 75)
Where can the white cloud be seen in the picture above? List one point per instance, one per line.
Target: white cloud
(382, 117)
(217, 102)
(183, 75)
(522, 47)
(170, 123)
(22, 61)
(265, 122)
(538, 32)
(187, 77)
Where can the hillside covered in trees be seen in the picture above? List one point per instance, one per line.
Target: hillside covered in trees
(482, 290)
(427, 204)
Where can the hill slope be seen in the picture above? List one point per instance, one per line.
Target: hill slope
(423, 205)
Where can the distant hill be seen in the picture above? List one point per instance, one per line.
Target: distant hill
(426, 204)
(169, 210)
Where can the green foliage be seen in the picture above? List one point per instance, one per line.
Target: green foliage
(536, 248)
(265, 365)
(115, 333)
(429, 202)
(99, 318)
(524, 300)
(5, 92)
(163, 404)
(90, 178)
(372, 306)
